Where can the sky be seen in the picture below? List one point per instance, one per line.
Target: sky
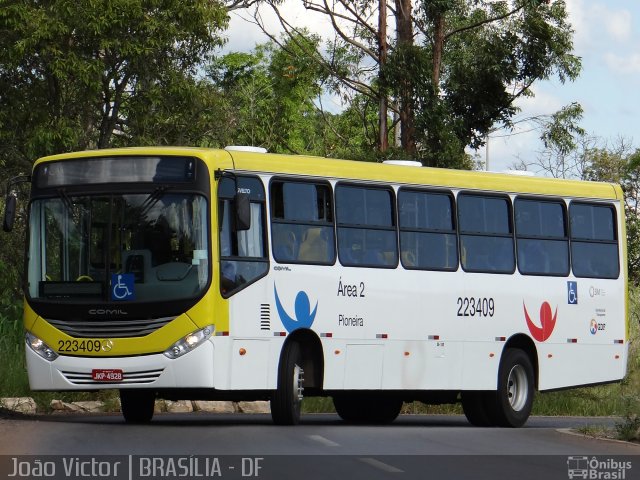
(606, 38)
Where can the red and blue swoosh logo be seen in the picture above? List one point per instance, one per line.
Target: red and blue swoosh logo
(547, 322)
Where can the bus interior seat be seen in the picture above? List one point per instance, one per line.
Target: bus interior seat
(285, 245)
(389, 258)
(408, 258)
(158, 238)
(374, 256)
(137, 262)
(314, 246)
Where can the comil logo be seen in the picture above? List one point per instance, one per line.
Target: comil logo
(597, 469)
(547, 322)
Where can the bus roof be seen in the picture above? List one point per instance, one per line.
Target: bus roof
(412, 175)
(368, 171)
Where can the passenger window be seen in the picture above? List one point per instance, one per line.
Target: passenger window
(243, 257)
(541, 237)
(486, 238)
(302, 223)
(366, 226)
(594, 246)
(427, 230)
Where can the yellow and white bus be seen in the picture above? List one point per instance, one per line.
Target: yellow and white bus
(185, 273)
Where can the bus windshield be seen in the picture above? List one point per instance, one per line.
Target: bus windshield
(128, 247)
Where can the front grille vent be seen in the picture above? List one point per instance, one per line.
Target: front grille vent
(128, 377)
(110, 328)
(265, 316)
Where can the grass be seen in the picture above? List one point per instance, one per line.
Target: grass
(596, 431)
(629, 428)
(13, 377)
(621, 399)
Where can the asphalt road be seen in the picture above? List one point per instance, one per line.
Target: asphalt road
(321, 447)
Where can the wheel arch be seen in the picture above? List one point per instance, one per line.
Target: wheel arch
(524, 343)
(312, 357)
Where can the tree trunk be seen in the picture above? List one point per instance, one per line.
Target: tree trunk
(404, 32)
(383, 142)
(438, 46)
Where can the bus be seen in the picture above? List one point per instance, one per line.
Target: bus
(235, 274)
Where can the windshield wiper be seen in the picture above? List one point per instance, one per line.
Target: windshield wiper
(155, 196)
(66, 200)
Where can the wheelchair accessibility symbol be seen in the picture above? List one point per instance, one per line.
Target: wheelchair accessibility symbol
(572, 293)
(122, 286)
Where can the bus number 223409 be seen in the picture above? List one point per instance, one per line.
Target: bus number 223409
(475, 307)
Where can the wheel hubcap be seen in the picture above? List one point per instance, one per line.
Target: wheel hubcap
(517, 387)
(298, 383)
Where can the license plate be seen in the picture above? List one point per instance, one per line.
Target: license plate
(101, 375)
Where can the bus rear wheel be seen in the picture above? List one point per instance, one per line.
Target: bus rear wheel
(286, 401)
(366, 408)
(474, 406)
(137, 405)
(512, 402)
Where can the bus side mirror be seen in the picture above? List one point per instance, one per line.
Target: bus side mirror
(242, 207)
(9, 212)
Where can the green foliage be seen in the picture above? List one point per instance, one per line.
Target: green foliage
(13, 380)
(11, 263)
(69, 70)
(629, 428)
(247, 96)
(490, 57)
(173, 110)
(562, 129)
(352, 133)
(272, 97)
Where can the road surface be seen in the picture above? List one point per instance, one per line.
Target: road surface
(201, 445)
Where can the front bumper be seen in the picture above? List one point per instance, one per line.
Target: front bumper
(193, 370)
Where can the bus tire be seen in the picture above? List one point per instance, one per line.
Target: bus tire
(388, 410)
(137, 405)
(513, 399)
(287, 399)
(474, 406)
(379, 410)
(347, 408)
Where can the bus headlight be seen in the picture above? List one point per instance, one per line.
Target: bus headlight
(41, 348)
(189, 342)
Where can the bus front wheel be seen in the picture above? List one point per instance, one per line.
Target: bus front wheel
(287, 399)
(137, 405)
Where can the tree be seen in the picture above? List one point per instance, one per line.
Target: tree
(243, 84)
(272, 97)
(269, 95)
(566, 145)
(354, 56)
(77, 74)
(74, 73)
(453, 69)
(480, 58)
